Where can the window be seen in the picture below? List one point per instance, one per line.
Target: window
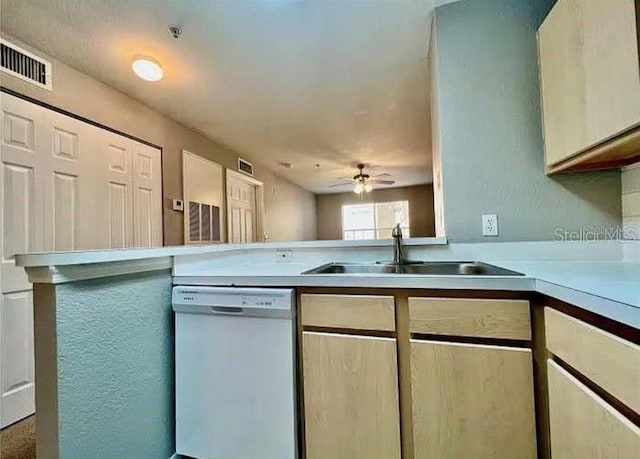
(374, 220)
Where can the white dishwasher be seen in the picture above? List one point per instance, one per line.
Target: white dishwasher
(235, 373)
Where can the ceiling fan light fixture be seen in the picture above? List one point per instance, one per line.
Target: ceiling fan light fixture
(363, 183)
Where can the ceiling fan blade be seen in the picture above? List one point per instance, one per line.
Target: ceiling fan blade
(383, 182)
(382, 175)
(340, 184)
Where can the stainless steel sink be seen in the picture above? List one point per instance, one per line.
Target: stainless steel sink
(435, 268)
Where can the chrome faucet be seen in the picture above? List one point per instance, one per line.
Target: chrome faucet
(398, 249)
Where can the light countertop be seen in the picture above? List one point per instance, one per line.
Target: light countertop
(611, 289)
(80, 257)
(602, 277)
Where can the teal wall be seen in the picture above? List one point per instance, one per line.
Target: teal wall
(116, 368)
(491, 131)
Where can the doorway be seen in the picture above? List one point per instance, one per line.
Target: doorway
(245, 208)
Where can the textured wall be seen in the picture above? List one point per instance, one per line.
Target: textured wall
(631, 201)
(491, 135)
(116, 368)
(78, 93)
(421, 218)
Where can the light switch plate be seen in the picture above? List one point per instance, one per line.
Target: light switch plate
(490, 225)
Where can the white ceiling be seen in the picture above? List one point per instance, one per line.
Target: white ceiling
(329, 82)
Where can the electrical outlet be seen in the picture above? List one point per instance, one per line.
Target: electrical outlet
(490, 225)
(284, 255)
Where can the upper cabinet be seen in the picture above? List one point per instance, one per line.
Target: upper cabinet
(590, 84)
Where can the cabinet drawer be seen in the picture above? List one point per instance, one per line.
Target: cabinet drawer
(585, 426)
(609, 361)
(360, 312)
(485, 318)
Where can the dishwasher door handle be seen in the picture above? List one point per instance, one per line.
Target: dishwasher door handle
(230, 310)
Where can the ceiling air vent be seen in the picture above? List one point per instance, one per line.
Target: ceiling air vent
(245, 166)
(24, 65)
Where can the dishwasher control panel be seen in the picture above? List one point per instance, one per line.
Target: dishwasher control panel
(262, 298)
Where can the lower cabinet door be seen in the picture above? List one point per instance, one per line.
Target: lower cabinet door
(350, 397)
(583, 425)
(472, 401)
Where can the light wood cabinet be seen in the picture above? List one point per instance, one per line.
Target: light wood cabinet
(583, 425)
(383, 377)
(472, 400)
(350, 397)
(590, 84)
(593, 390)
(609, 361)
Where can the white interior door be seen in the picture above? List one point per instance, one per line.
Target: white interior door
(147, 196)
(241, 209)
(117, 191)
(64, 185)
(22, 229)
(42, 174)
(129, 192)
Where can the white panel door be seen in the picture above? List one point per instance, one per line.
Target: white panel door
(41, 205)
(17, 359)
(241, 202)
(64, 185)
(22, 180)
(118, 191)
(70, 205)
(147, 196)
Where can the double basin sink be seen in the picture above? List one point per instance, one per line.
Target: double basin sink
(436, 268)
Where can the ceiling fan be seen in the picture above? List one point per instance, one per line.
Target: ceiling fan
(363, 183)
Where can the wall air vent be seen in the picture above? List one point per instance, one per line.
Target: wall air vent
(245, 166)
(204, 222)
(22, 64)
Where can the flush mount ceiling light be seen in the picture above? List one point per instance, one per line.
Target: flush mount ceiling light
(147, 68)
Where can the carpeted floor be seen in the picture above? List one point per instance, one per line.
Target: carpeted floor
(18, 441)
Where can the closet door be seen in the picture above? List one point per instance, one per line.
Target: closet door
(23, 147)
(147, 196)
(130, 189)
(46, 162)
(70, 201)
(64, 185)
(116, 185)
